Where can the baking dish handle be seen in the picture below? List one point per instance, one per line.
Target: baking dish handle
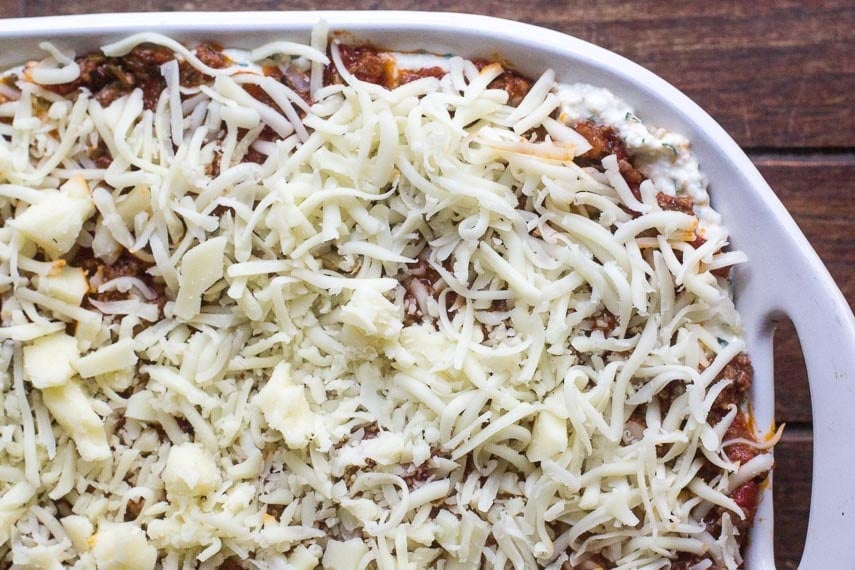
(806, 293)
(826, 329)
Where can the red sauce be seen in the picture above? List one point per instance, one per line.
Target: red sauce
(606, 141)
(109, 78)
(746, 496)
(516, 84)
(366, 63)
(683, 203)
(408, 75)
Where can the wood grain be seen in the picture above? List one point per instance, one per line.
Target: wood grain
(791, 490)
(778, 75)
(817, 189)
(11, 8)
(792, 393)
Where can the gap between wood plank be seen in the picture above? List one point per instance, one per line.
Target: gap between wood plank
(843, 156)
(798, 430)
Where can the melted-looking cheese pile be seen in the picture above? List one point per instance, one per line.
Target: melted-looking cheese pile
(318, 425)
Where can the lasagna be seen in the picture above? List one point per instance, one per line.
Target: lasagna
(326, 305)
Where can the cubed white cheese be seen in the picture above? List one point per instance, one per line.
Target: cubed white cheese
(12, 506)
(190, 471)
(68, 284)
(55, 222)
(104, 245)
(371, 312)
(116, 356)
(286, 408)
(73, 411)
(88, 329)
(139, 407)
(387, 448)
(122, 546)
(424, 343)
(79, 529)
(344, 554)
(201, 267)
(134, 202)
(302, 559)
(364, 510)
(548, 437)
(448, 530)
(48, 360)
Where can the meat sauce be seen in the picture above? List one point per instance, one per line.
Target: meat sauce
(369, 64)
(109, 78)
(127, 265)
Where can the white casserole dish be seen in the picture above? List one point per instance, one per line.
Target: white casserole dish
(783, 278)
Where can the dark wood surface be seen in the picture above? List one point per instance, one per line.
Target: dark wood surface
(778, 75)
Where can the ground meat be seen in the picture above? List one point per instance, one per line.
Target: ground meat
(126, 265)
(740, 429)
(252, 155)
(633, 177)
(297, 80)
(606, 141)
(369, 64)
(516, 84)
(604, 322)
(417, 476)
(260, 94)
(698, 241)
(723, 272)
(683, 203)
(740, 371)
(420, 282)
(370, 431)
(133, 509)
(100, 155)
(408, 75)
(109, 78)
(210, 55)
(366, 63)
(185, 425)
(267, 133)
(746, 495)
(232, 563)
(275, 511)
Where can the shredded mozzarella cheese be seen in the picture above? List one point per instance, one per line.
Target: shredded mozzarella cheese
(376, 327)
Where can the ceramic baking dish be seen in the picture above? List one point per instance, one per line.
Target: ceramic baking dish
(783, 278)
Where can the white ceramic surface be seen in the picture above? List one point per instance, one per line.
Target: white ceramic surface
(784, 275)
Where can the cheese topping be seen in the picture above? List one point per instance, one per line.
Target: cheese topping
(387, 327)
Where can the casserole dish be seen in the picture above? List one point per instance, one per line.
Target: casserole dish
(758, 222)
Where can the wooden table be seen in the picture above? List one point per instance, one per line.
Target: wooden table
(778, 75)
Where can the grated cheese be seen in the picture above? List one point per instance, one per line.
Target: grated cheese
(377, 328)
